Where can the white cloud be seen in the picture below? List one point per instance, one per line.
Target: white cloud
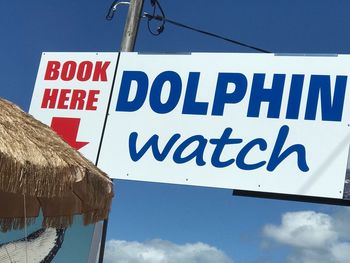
(306, 229)
(160, 251)
(341, 222)
(313, 237)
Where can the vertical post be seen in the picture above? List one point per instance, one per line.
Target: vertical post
(103, 241)
(132, 25)
(127, 45)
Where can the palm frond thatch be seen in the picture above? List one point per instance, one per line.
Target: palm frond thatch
(37, 163)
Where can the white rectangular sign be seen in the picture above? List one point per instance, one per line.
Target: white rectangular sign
(71, 95)
(256, 122)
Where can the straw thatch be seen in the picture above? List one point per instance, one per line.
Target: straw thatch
(37, 163)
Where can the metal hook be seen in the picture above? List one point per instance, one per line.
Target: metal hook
(113, 7)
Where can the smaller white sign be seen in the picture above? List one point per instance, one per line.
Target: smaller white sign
(71, 95)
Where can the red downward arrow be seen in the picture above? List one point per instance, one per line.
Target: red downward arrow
(68, 128)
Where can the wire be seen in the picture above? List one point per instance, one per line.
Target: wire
(160, 28)
(163, 19)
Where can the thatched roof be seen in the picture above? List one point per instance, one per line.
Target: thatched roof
(36, 162)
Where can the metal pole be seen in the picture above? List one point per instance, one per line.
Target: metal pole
(103, 241)
(127, 45)
(132, 25)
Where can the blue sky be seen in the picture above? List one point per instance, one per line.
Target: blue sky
(160, 218)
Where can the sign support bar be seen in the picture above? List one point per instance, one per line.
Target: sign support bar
(127, 45)
(131, 26)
